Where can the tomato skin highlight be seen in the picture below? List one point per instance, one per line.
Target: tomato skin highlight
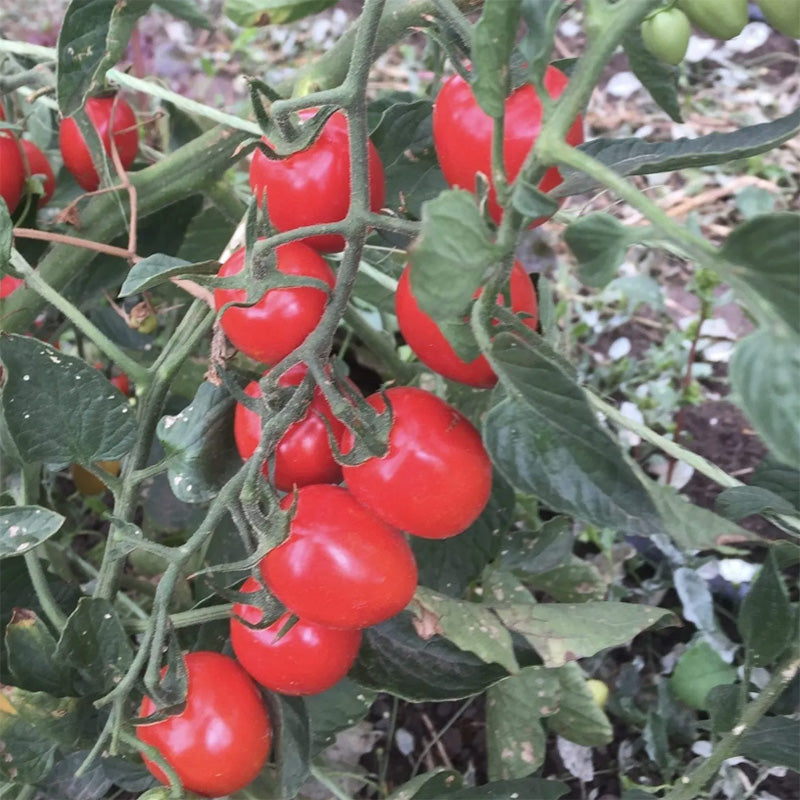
(341, 566)
(308, 659)
(111, 116)
(221, 740)
(436, 477)
(462, 134)
(432, 348)
(283, 318)
(12, 170)
(313, 186)
(303, 454)
(38, 164)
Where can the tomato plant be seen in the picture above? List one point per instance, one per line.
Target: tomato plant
(308, 659)
(431, 347)
(282, 319)
(114, 120)
(38, 164)
(303, 455)
(221, 740)
(721, 20)
(462, 134)
(12, 170)
(436, 477)
(313, 186)
(783, 15)
(666, 35)
(341, 566)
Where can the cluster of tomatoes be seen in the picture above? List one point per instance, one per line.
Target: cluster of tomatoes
(21, 160)
(666, 32)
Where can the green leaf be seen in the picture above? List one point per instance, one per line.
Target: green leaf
(394, 658)
(564, 632)
(207, 233)
(773, 740)
(698, 671)
(200, 446)
(450, 565)
(95, 644)
(540, 788)
(660, 79)
(574, 582)
(158, 268)
(739, 502)
(492, 43)
(600, 243)
(578, 717)
(413, 181)
(92, 39)
(531, 202)
(763, 373)
(699, 608)
(449, 260)
(764, 250)
(724, 704)
(337, 709)
(634, 156)
(690, 527)
(59, 409)
(24, 527)
(533, 553)
(32, 726)
(31, 655)
(403, 128)
(515, 738)
(536, 46)
(470, 626)
(432, 785)
(186, 10)
(766, 621)
(293, 746)
(257, 13)
(6, 237)
(542, 434)
(778, 478)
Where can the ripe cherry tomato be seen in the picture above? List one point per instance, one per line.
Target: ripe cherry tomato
(436, 478)
(720, 20)
(8, 285)
(303, 455)
(308, 659)
(313, 186)
(666, 35)
(431, 347)
(340, 566)
(39, 165)
(122, 382)
(279, 322)
(12, 170)
(462, 134)
(220, 741)
(88, 483)
(110, 115)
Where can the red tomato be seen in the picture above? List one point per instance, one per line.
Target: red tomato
(462, 134)
(109, 115)
(313, 186)
(279, 322)
(340, 566)
(309, 659)
(12, 170)
(303, 455)
(9, 284)
(39, 165)
(431, 347)
(220, 741)
(122, 382)
(436, 478)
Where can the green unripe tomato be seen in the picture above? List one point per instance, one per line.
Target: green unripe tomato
(666, 35)
(783, 15)
(722, 19)
(599, 692)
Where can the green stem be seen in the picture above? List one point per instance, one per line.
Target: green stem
(134, 370)
(691, 786)
(185, 619)
(43, 594)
